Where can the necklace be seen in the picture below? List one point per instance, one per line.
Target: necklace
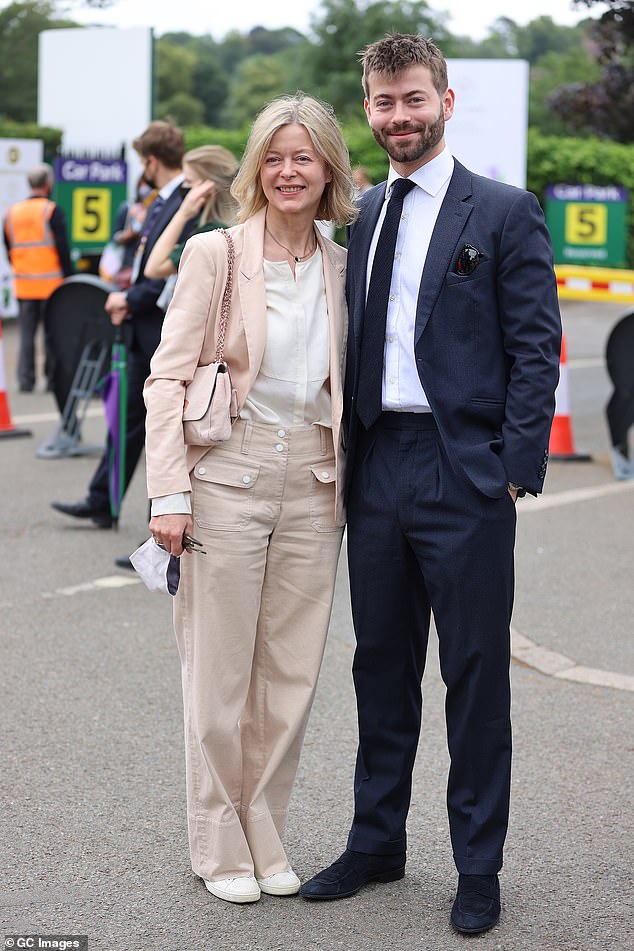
(296, 258)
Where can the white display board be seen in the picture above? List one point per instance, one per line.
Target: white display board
(17, 157)
(96, 85)
(488, 130)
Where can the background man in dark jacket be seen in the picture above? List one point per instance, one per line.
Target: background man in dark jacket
(161, 148)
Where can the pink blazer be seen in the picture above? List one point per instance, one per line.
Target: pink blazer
(189, 336)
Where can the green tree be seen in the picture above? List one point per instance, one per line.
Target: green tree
(548, 73)
(258, 79)
(344, 28)
(210, 82)
(266, 42)
(604, 107)
(182, 108)
(543, 35)
(174, 69)
(502, 39)
(20, 26)
(206, 77)
(232, 50)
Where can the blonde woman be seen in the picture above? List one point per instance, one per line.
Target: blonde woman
(251, 616)
(209, 172)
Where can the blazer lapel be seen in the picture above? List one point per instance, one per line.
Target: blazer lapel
(452, 217)
(334, 276)
(251, 289)
(359, 249)
(334, 280)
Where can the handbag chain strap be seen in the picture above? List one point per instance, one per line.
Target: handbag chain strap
(226, 298)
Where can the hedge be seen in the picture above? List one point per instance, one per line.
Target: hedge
(52, 138)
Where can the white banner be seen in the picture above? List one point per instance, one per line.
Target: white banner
(488, 129)
(17, 156)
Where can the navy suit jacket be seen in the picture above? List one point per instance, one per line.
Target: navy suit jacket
(147, 318)
(487, 344)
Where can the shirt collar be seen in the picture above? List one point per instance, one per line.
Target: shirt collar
(430, 177)
(171, 186)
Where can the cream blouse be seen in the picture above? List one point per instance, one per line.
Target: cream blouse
(291, 388)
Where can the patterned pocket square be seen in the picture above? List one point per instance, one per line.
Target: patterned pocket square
(468, 260)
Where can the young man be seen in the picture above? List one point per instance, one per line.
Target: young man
(453, 359)
(37, 245)
(161, 148)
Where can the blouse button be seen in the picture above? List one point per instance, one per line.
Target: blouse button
(201, 470)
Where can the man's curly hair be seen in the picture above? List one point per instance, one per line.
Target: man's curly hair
(397, 52)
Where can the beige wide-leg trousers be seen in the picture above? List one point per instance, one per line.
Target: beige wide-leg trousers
(251, 618)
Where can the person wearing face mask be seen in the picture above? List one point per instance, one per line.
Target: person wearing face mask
(251, 616)
(126, 234)
(160, 148)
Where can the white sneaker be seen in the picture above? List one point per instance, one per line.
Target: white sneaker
(282, 883)
(622, 467)
(238, 890)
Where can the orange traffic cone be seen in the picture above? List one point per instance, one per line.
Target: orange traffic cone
(562, 445)
(6, 426)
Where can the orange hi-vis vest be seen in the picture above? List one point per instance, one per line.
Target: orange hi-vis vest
(37, 269)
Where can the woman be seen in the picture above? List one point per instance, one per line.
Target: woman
(251, 617)
(209, 172)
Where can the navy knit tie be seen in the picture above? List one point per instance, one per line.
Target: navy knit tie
(150, 220)
(369, 394)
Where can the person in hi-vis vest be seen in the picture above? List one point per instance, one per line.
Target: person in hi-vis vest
(37, 245)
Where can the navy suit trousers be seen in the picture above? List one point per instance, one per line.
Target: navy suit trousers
(422, 539)
(138, 372)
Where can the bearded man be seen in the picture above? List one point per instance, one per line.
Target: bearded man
(453, 355)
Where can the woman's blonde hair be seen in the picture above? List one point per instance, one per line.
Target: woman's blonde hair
(319, 120)
(217, 164)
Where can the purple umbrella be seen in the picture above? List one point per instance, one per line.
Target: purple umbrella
(115, 397)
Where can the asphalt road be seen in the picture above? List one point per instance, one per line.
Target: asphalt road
(93, 837)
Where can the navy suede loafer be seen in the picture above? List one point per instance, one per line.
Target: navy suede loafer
(477, 904)
(351, 872)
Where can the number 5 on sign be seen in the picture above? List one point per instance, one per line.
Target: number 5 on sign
(586, 223)
(91, 214)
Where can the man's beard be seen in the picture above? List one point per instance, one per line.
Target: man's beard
(427, 138)
(149, 181)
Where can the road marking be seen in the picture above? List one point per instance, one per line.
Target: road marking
(586, 363)
(52, 417)
(546, 661)
(553, 664)
(110, 581)
(530, 506)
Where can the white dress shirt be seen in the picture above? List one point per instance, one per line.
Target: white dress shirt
(402, 390)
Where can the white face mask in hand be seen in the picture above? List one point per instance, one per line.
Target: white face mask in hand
(159, 570)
